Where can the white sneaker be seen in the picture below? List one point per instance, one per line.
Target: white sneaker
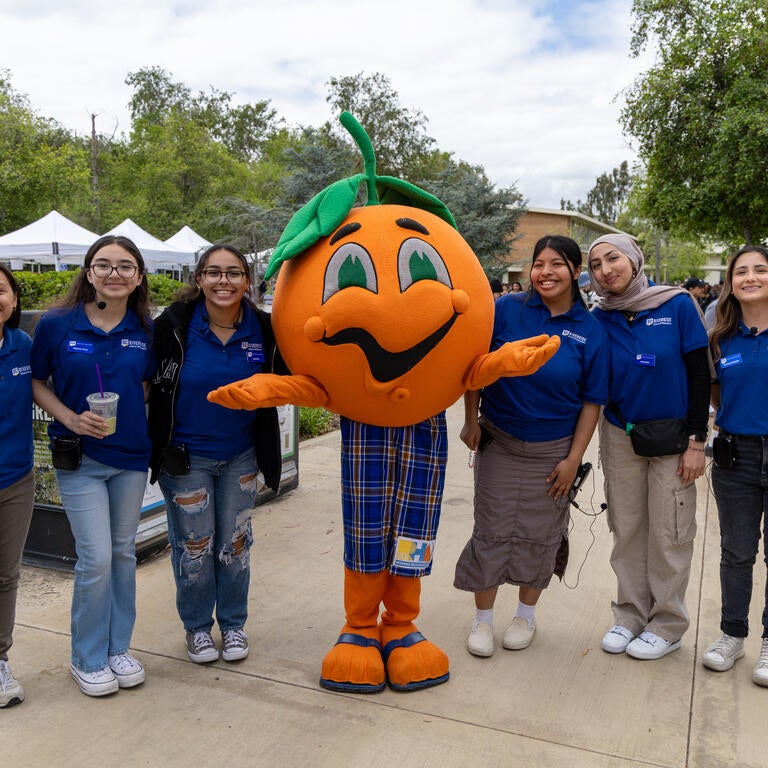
(11, 691)
(519, 634)
(723, 653)
(760, 672)
(100, 682)
(480, 640)
(648, 646)
(616, 639)
(126, 669)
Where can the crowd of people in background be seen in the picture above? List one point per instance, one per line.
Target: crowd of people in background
(623, 341)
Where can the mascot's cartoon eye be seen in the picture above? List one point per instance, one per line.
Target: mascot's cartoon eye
(350, 266)
(418, 260)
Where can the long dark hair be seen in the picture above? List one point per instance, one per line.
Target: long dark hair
(81, 291)
(728, 309)
(191, 293)
(570, 251)
(13, 320)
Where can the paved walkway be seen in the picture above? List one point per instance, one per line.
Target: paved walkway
(562, 702)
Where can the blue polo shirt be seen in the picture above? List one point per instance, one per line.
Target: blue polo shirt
(206, 428)
(648, 375)
(16, 396)
(67, 347)
(546, 405)
(742, 371)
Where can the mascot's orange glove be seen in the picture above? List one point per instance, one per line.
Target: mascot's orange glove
(515, 358)
(265, 390)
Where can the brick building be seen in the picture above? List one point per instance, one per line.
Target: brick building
(537, 222)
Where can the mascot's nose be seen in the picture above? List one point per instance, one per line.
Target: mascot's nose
(314, 328)
(460, 301)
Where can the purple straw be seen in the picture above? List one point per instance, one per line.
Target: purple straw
(98, 376)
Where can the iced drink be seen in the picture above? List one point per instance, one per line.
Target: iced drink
(105, 405)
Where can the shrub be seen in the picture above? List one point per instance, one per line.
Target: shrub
(315, 421)
(39, 289)
(162, 289)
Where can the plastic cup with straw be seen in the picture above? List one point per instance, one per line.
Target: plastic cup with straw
(104, 404)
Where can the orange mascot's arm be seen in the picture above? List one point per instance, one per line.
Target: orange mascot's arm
(264, 390)
(515, 358)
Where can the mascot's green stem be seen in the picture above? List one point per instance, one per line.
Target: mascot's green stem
(366, 149)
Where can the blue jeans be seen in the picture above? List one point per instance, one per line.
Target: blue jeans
(103, 505)
(741, 493)
(209, 530)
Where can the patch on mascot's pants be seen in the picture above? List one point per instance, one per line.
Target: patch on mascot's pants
(413, 553)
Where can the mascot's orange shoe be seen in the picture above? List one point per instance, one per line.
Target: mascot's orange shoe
(354, 664)
(412, 661)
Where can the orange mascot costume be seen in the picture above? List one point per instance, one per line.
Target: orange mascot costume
(384, 315)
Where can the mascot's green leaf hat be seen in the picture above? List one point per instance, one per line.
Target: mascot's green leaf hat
(326, 210)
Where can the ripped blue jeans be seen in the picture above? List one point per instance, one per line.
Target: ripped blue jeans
(209, 530)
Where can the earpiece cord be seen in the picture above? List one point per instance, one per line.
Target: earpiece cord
(594, 515)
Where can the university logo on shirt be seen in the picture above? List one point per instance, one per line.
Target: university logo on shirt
(21, 370)
(651, 321)
(134, 344)
(575, 336)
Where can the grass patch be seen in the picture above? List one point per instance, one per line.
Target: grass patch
(316, 421)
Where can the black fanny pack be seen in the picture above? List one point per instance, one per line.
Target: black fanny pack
(659, 437)
(176, 460)
(66, 452)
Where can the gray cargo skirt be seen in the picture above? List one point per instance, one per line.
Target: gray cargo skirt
(520, 535)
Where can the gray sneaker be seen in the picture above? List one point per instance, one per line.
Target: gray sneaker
(200, 647)
(11, 691)
(760, 672)
(235, 644)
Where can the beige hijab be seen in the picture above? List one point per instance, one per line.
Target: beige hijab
(639, 295)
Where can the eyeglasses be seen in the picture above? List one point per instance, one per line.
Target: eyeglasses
(234, 276)
(105, 269)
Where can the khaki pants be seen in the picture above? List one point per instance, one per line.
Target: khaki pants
(15, 513)
(652, 516)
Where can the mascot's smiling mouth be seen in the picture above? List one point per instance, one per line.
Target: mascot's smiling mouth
(386, 366)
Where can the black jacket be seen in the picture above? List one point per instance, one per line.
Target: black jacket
(170, 337)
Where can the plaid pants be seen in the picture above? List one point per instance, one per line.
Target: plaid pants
(391, 490)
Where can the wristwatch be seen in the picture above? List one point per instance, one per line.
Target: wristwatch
(698, 437)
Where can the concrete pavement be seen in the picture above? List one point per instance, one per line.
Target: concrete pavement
(561, 702)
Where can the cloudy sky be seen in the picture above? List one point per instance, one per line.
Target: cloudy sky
(529, 89)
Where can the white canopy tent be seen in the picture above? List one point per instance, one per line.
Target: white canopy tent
(188, 240)
(53, 239)
(156, 253)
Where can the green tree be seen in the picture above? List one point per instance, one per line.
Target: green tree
(486, 217)
(669, 256)
(242, 130)
(397, 133)
(314, 159)
(171, 174)
(42, 166)
(699, 116)
(250, 226)
(607, 198)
